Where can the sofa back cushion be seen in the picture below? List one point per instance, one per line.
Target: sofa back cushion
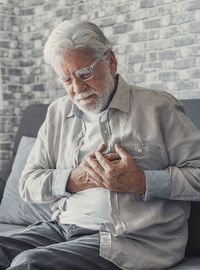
(13, 210)
(32, 118)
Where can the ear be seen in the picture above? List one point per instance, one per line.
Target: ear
(113, 62)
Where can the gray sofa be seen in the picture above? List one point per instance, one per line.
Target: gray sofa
(20, 215)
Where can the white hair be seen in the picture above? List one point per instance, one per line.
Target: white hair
(69, 35)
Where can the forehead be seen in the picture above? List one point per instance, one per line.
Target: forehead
(73, 60)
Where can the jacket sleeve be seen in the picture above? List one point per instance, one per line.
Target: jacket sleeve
(40, 180)
(181, 179)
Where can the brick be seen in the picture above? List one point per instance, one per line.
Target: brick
(138, 47)
(185, 63)
(146, 3)
(185, 85)
(184, 74)
(27, 80)
(195, 74)
(4, 53)
(170, 54)
(15, 88)
(193, 4)
(120, 29)
(194, 50)
(158, 86)
(155, 23)
(161, 2)
(14, 71)
(150, 76)
(3, 164)
(152, 56)
(194, 27)
(5, 146)
(154, 45)
(47, 6)
(168, 76)
(138, 26)
(107, 22)
(136, 78)
(139, 14)
(26, 63)
(5, 155)
(166, 20)
(137, 58)
(37, 2)
(4, 44)
(137, 67)
(153, 66)
(25, 12)
(182, 18)
(184, 41)
(38, 87)
(37, 52)
(153, 34)
(137, 37)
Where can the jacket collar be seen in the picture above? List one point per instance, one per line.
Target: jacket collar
(120, 99)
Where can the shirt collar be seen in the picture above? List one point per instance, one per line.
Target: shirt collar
(119, 101)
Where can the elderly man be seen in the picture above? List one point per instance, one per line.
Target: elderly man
(119, 163)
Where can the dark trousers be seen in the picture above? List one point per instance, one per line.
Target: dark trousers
(52, 246)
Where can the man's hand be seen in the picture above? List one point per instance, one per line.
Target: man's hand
(80, 177)
(118, 175)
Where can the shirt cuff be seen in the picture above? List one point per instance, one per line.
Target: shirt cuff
(158, 184)
(60, 179)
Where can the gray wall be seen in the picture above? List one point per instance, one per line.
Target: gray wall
(157, 43)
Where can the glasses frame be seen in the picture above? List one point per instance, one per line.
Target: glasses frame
(76, 73)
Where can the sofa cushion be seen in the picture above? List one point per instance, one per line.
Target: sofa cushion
(8, 229)
(13, 209)
(188, 264)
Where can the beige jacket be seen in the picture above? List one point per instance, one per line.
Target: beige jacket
(147, 232)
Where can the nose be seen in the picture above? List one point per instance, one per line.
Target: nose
(78, 86)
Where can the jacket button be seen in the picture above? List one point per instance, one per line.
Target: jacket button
(140, 150)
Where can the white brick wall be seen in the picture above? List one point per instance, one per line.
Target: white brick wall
(157, 44)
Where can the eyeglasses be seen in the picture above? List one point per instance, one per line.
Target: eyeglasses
(83, 74)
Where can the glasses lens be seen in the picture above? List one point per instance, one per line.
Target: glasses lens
(84, 74)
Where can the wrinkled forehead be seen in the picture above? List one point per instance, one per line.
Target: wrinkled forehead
(73, 60)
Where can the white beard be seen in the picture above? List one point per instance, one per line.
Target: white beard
(99, 101)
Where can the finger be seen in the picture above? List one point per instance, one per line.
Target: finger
(112, 156)
(123, 154)
(95, 165)
(105, 163)
(100, 149)
(93, 176)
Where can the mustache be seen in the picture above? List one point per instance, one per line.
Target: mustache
(85, 94)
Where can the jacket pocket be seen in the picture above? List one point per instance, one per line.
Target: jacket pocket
(146, 157)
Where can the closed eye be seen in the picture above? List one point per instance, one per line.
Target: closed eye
(84, 73)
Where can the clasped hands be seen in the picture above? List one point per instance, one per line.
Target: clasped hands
(115, 171)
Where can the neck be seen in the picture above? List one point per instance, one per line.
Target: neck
(112, 93)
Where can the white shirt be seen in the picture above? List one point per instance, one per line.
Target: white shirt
(88, 208)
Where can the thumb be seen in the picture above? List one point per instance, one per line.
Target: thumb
(123, 154)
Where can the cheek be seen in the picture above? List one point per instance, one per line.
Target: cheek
(70, 93)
